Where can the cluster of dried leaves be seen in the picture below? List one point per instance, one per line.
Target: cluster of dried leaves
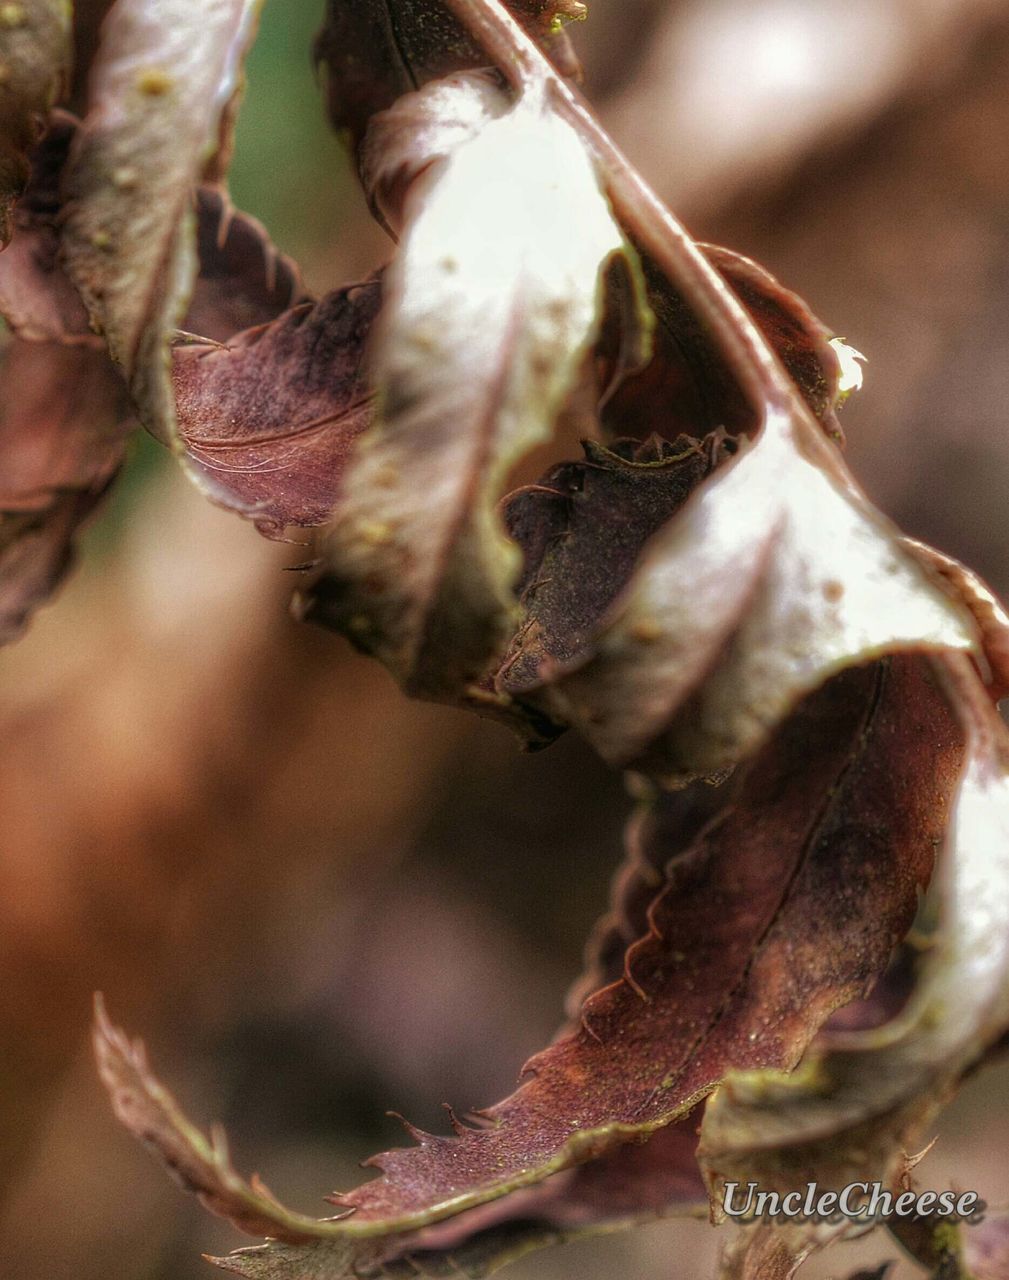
(705, 595)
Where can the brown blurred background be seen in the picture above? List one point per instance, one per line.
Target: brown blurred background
(316, 900)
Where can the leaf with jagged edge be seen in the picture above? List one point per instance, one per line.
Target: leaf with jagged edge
(812, 875)
(35, 52)
(863, 1098)
(243, 280)
(63, 440)
(375, 51)
(161, 83)
(273, 414)
(687, 387)
(776, 574)
(63, 432)
(492, 307)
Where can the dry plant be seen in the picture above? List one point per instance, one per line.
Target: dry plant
(804, 699)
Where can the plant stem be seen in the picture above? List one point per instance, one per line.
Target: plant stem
(761, 377)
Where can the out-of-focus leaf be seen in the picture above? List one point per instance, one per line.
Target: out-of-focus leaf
(63, 429)
(852, 1108)
(784, 908)
(375, 51)
(37, 299)
(492, 308)
(164, 75)
(774, 576)
(273, 415)
(762, 1252)
(243, 279)
(687, 387)
(34, 66)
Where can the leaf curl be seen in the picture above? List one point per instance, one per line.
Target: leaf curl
(62, 440)
(488, 321)
(863, 1097)
(272, 415)
(161, 84)
(779, 911)
(375, 52)
(34, 69)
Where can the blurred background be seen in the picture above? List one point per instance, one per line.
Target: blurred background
(316, 900)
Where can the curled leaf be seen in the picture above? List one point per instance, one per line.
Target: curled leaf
(774, 576)
(492, 306)
(865, 1097)
(160, 86)
(63, 430)
(687, 386)
(37, 299)
(34, 67)
(375, 51)
(271, 417)
(782, 909)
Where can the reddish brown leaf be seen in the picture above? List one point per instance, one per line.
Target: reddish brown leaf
(375, 51)
(62, 439)
(160, 87)
(272, 416)
(687, 387)
(784, 908)
(865, 1097)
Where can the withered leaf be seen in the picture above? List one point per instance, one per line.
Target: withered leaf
(864, 1097)
(34, 67)
(162, 79)
(492, 307)
(582, 528)
(62, 439)
(37, 299)
(811, 876)
(375, 51)
(687, 387)
(243, 279)
(272, 416)
(774, 575)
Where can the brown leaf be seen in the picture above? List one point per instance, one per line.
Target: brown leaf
(492, 307)
(856, 1105)
(687, 387)
(781, 910)
(244, 280)
(272, 416)
(776, 574)
(582, 528)
(35, 65)
(62, 440)
(162, 78)
(375, 51)
(37, 298)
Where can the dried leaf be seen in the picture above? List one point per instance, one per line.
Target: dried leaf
(780, 886)
(492, 307)
(852, 1109)
(162, 79)
(37, 299)
(34, 68)
(776, 574)
(272, 416)
(62, 440)
(687, 387)
(375, 51)
(243, 279)
(582, 528)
